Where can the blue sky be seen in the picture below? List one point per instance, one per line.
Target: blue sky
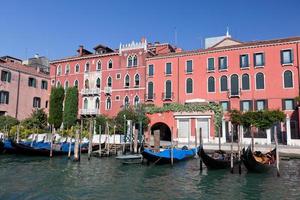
(55, 28)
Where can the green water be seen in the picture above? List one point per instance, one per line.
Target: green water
(58, 178)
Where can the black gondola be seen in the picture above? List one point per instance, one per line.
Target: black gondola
(258, 162)
(1, 146)
(221, 160)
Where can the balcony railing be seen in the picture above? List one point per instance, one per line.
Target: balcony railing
(90, 91)
(107, 90)
(89, 111)
(149, 97)
(234, 93)
(167, 96)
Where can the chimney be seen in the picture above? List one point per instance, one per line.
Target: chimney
(178, 50)
(80, 50)
(143, 39)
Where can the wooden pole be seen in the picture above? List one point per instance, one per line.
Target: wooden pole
(100, 150)
(18, 133)
(135, 143)
(115, 140)
(196, 142)
(125, 135)
(239, 150)
(156, 140)
(80, 137)
(277, 151)
(172, 152)
(51, 142)
(76, 147)
(201, 146)
(70, 145)
(219, 135)
(131, 136)
(252, 138)
(90, 139)
(231, 153)
(107, 135)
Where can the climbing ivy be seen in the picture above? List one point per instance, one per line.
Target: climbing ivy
(193, 107)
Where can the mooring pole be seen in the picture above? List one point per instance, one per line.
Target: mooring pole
(18, 133)
(70, 146)
(277, 150)
(80, 137)
(76, 147)
(115, 140)
(196, 142)
(100, 150)
(201, 146)
(172, 152)
(90, 139)
(239, 150)
(231, 149)
(219, 135)
(125, 134)
(51, 142)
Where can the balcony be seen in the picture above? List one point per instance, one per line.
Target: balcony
(149, 97)
(90, 91)
(234, 93)
(167, 96)
(107, 90)
(93, 111)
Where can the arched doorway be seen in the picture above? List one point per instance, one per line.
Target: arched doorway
(165, 131)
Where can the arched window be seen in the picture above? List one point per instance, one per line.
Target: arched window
(127, 81)
(224, 84)
(67, 70)
(211, 84)
(168, 90)
(86, 84)
(87, 67)
(110, 64)
(99, 65)
(135, 61)
(66, 85)
(137, 80)
(58, 70)
(77, 68)
(150, 94)
(76, 83)
(85, 104)
(98, 83)
(97, 103)
(288, 79)
(129, 61)
(245, 82)
(126, 102)
(189, 86)
(108, 103)
(58, 84)
(136, 100)
(234, 85)
(260, 81)
(109, 81)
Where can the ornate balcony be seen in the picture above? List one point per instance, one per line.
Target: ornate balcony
(167, 96)
(150, 97)
(89, 111)
(234, 93)
(90, 91)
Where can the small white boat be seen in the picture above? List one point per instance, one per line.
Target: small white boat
(131, 158)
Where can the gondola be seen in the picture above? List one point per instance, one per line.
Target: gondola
(257, 161)
(164, 156)
(220, 159)
(1, 146)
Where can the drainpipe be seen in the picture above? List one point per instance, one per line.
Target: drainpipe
(18, 94)
(178, 80)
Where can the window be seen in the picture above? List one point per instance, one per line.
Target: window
(87, 67)
(136, 100)
(168, 90)
(98, 83)
(150, 70)
(127, 81)
(110, 64)
(288, 79)
(150, 94)
(246, 105)
(77, 68)
(66, 85)
(99, 65)
(222, 63)
(44, 85)
(245, 82)
(117, 97)
(97, 103)
(189, 86)
(234, 84)
(224, 84)
(67, 70)
(189, 66)
(46, 104)
(5, 76)
(211, 84)
(86, 84)
(109, 81)
(4, 97)
(259, 59)
(85, 103)
(137, 80)
(118, 76)
(211, 64)
(260, 82)
(135, 62)
(36, 102)
(244, 61)
(58, 84)
(32, 82)
(58, 70)
(126, 102)
(261, 104)
(108, 103)
(225, 105)
(288, 104)
(286, 56)
(168, 68)
(129, 61)
(76, 83)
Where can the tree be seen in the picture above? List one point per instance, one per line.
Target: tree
(56, 106)
(6, 122)
(70, 108)
(101, 121)
(37, 120)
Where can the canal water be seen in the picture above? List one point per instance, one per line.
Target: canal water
(59, 178)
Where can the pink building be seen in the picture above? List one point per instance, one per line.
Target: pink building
(22, 89)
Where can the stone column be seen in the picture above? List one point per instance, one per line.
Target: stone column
(288, 130)
(268, 136)
(223, 130)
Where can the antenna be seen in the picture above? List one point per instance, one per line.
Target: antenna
(175, 35)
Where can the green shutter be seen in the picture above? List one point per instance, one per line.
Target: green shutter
(292, 56)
